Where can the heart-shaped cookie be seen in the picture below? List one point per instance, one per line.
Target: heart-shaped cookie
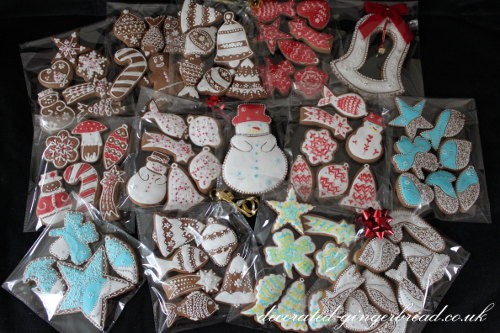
(58, 76)
(317, 13)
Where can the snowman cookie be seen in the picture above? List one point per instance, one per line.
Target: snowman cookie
(365, 145)
(254, 164)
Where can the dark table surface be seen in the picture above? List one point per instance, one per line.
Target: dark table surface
(460, 57)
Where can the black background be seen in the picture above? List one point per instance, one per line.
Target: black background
(460, 54)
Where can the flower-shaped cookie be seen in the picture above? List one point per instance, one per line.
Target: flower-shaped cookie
(331, 261)
(62, 149)
(310, 81)
(318, 146)
(291, 252)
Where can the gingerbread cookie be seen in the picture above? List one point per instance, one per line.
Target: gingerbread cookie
(292, 305)
(153, 40)
(129, 28)
(92, 65)
(216, 81)
(289, 211)
(414, 155)
(180, 150)
(200, 42)
(232, 43)
(270, 34)
(380, 293)
(41, 271)
(58, 76)
(111, 189)
(467, 188)
(148, 187)
(237, 288)
(246, 84)
(196, 306)
(174, 38)
(410, 117)
(315, 322)
(332, 180)
(277, 77)
(360, 315)
(350, 105)
(428, 267)
(268, 290)
(98, 88)
(377, 255)
(169, 123)
(219, 242)
(291, 252)
(318, 147)
(122, 259)
(454, 154)
(181, 193)
(318, 41)
(92, 279)
(61, 149)
(53, 201)
(317, 13)
(363, 191)
(126, 81)
(204, 131)
(186, 259)
(91, 146)
(298, 52)
(410, 297)
(69, 49)
(337, 124)
(183, 284)
(171, 233)
(55, 114)
(88, 177)
(301, 178)
(445, 195)
(331, 261)
(343, 232)
(268, 11)
(411, 192)
(191, 70)
(448, 124)
(116, 146)
(365, 144)
(310, 81)
(194, 15)
(164, 77)
(105, 107)
(205, 168)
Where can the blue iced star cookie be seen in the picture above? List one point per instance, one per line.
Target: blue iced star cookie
(410, 117)
(289, 211)
(89, 288)
(42, 272)
(74, 239)
(121, 258)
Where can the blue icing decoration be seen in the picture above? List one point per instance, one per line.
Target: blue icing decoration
(408, 150)
(77, 235)
(436, 134)
(118, 254)
(42, 273)
(409, 191)
(443, 180)
(408, 113)
(466, 179)
(448, 154)
(89, 300)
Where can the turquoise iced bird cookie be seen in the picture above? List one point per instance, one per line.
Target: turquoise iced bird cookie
(89, 289)
(414, 155)
(448, 124)
(410, 117)
(74, 239)
(455, 154)
(411, 192)
(42, 272)
(467, 188)
(122, 259)
(446, 197)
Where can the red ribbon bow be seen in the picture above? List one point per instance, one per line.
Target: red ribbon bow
(393, 14)
(376, 222)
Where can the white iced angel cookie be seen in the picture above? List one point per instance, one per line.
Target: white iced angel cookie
(363, 191)
(410, 297)
(365, 145)
(181, 193)
(361, 315)
(268, 290)
(183, 284)
(170, 124)
(219, 242)
(204, 131)
(380, 293)
(428, 267)
(171, 233)
(205, 168)
(237, 288)
(254, 164)
(419, 229)
(332, 180)
(148, 187)
(292, 305)
(318, 147)
(377, 254)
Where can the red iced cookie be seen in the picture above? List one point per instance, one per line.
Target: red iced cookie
(277, 76)
(271, 34)
(298, 52)
(269, 10)
(318, 41)
(310, 81)
(317, 13)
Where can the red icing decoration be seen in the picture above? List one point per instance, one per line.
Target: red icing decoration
(271, 34)
(320, 42)
(317, 13)
(251, 112)
(376, 222)
(310, 81)
(301, 178)
(268, 10)
(116, 146)
(333, 180)
(390, 13)
(277, 77)
(298, 52)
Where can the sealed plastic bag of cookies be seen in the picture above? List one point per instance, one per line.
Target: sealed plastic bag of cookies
(325, 270)
(436, 161)
(199, 264)
(79, 275)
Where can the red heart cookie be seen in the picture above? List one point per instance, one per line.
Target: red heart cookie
(317, 13)
(58, 76)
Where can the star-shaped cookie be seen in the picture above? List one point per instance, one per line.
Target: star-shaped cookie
(89, 288)
(69, 48)
(289, 211)
(271, 34)
(410, 117)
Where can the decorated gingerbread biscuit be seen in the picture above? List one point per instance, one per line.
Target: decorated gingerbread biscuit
(180, 150)
(411, 192)
(350, 105)
(332, 180)
(331, 260)
(467, 188)
(337, 124)
(297, 52)
(410, 297)
(191, 71)
(238, 286)
(268, 11)
(377, 254)
(301, 178)
(216, 81)
(448, 124)
(361, 316)
(410, 117)
(454, 154)
(445, 194)
(291, 252)
(129, 28)
(414, 155)
(61, 149)
(246, 84)
(268, 290)
(200, 41)
(174, 38)
(58, 76)
(309, 81)
(380, 293)
(181, 193)
(171, 233)
(196, 306)
(194, 15)
(69, 48)
(111, 184)
(55, 114)
(88, 178)
(186, 259)
(219, 241)
(292, 305)
(365, 144)
(232, 43)
(204, 131)
(42, 272)
(125, 82)
(122, 258)
(163, 76)
(277, 77)
(169, 123)
(183, 284)
(363, 191)
(205, 168)
(153, 40)
(343, 232)
(318, 41)
(92, 65)
(91, 143)
(116, 146)
(317, 13)
(53, 201)
(318, 147)
(317, 323)
(270, 34)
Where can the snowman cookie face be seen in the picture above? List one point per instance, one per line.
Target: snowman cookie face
(252, 128)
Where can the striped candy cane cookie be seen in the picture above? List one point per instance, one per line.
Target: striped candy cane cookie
(87, 175)
(131, 75)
